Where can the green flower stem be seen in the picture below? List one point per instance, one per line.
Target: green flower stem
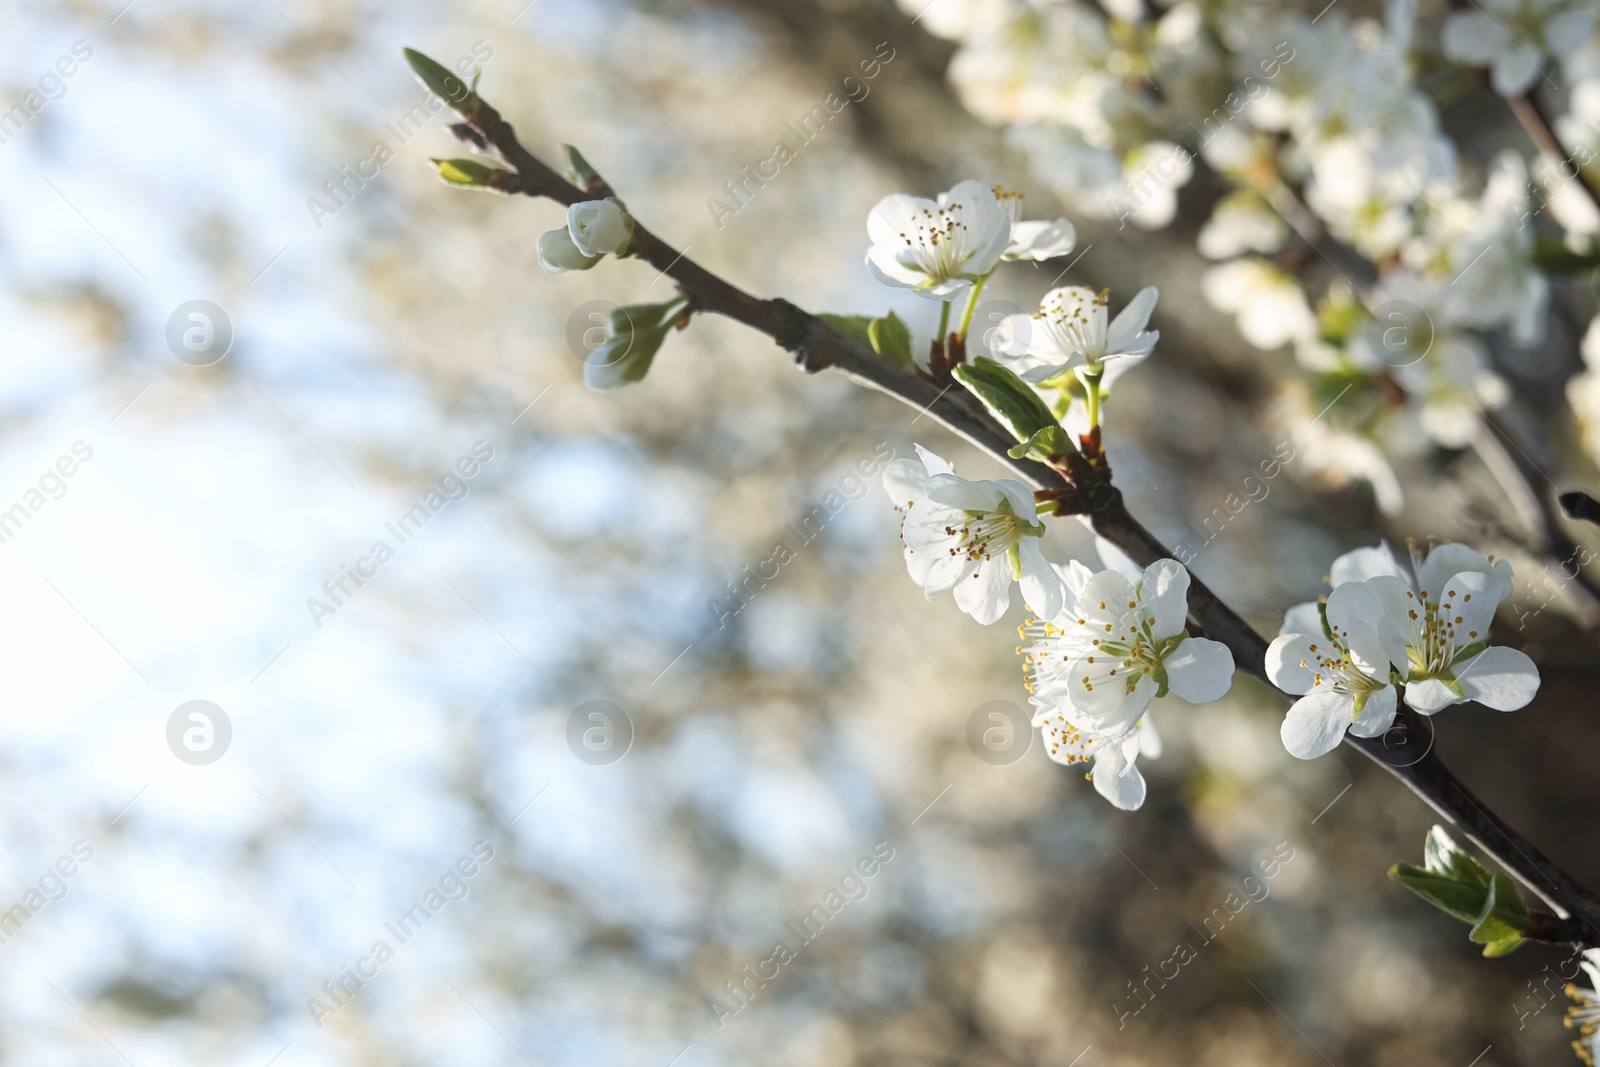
(972, 305)
(944, 323)
(1091, 388)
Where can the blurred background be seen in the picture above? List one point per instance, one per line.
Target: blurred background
(629, 872)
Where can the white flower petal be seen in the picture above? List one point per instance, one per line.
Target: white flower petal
(954, 491)
(1020, 497)
(1289, 659)
(1500, 678)
(905, 480)
(1514, 71)
(1359, 616)
(1042, 587)
(987, 593)
(935, 463)
(1570, 31)
(1378, 715)
(1448, 560)
(1430, 695)
(1200, 670)
(1041, 240)
(1466, 607)
(1303, 619)
(1164, 597)
(1316, 724)
(1116, 778)
(1149, 740)
(1131, 321)
(1364, 563)
(1469, 37)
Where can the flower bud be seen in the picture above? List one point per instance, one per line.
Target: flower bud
(599, 227)
(557, 253)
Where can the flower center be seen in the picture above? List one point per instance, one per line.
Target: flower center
(937, 244)
(1583, 1017)
(983, 535)
(1334, 668)
(1436, 639)
(1077, 323)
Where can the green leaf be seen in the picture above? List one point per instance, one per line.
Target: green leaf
(633, 337)
(1464, 900)
(891, 339)
(439, 80)
(1502, 920)
(1008, 398)
(856, 327)
(1441, 855)
(1050, 441)
(468, 172)
(578, 168)
(1556, 258)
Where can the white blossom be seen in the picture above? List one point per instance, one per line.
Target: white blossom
(1117, 645)
(1440, 607)
(1512, 37)
(558, 253)
(1269, 305)
(1034, 240)
(971, 537)
(1339, 666)
(1070, 332)
(937, 248)
(1113, 772)
(599, 227)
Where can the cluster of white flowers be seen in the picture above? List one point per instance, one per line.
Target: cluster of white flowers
(1424, 626)
(1317, 118)
(1104, 644)
(594, 229)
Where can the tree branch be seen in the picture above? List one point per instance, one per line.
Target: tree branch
(817, 346)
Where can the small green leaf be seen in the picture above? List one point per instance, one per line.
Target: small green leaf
(1502, 920)
(1461, 899)
(1008, 398)
(892, 340)
(578, 168)
(1441, 855)
(469, 172)
(439, 80)
(633, 337)
(1048, 442)
(856, 327)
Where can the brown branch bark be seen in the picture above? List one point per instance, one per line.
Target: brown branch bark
(817, 346)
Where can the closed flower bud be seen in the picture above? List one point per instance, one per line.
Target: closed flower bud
(557, 253)
(599, 227)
